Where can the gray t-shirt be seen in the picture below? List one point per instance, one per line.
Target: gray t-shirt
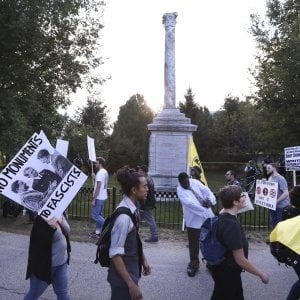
(282, 186)
(59, 244)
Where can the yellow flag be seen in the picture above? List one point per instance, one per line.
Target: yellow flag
(193, 159)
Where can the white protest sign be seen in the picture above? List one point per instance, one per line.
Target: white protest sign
(91, 148)
(266, 194)
(40, 178)
(62, 147)
(248, 204)
(292, 158)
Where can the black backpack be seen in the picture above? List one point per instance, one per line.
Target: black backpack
(103, 244)
(284, 254)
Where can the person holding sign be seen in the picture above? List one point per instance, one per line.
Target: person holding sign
(99, 196)
(49, 253)
(283, 199)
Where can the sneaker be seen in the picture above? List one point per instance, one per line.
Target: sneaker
(191, 271)
(151, 240)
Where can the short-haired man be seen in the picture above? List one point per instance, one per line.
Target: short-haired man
(196, 200)
(99, 196)
(146, 207)
(60, 164)
(282, 193)
(230, 176)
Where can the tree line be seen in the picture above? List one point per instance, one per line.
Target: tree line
(48, 49)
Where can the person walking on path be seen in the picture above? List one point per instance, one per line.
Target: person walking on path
(99, 196)
(196, 200)
(146, 207)
(227, 274)
(49, 253)
(126, 250)
(283, 199)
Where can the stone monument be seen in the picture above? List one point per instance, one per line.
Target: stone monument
(170, 131)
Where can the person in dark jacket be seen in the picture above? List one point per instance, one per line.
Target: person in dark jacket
(49, 251)
(146, 208)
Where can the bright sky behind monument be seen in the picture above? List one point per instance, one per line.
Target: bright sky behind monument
(213, 50)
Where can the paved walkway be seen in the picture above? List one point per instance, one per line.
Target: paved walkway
(168, 280)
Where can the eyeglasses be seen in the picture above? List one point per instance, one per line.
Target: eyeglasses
(243, 196)
(227, 174)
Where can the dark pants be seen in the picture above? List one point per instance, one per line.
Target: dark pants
(228, 283)
(193, 237)
(294, 293)
(120, 293)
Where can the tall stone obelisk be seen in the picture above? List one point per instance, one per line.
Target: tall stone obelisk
(170, 131)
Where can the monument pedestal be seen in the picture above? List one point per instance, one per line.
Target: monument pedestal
(170, 135)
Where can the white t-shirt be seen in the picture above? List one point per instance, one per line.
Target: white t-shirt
(101, 176)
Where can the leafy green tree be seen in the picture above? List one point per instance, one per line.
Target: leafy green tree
(47, 49)
(201, 117)
(237, 131)
(130, 138)
(277, 73)
(91, 120)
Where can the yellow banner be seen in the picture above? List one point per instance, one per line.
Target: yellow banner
(194, 160)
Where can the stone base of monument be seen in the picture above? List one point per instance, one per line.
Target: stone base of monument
(170, 135)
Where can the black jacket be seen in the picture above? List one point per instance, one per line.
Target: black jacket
(40, 250)
(151, 200)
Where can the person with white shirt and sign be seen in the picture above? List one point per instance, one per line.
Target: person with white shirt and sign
(99, 196)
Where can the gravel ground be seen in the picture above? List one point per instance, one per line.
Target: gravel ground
(168, 280)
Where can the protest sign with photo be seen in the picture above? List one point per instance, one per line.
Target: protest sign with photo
(266, 194)
(292, 158)
(40, 178)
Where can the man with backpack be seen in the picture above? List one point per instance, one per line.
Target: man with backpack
(196, 200)
(227, 274)
(126, 252)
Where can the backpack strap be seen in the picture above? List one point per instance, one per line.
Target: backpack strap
(125, 210)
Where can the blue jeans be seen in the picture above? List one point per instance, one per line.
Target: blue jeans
(97, 213)
(275, 216)
(147, 215)
(294, 293)
(59, 277)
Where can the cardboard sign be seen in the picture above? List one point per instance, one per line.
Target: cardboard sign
(40, 178)
(62, 147)
(248, 204)
(266, 194)
(91, 149)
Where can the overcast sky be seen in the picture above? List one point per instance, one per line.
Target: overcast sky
(213, 50)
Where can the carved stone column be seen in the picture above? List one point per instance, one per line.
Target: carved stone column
(170, 131)
(169, 20)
